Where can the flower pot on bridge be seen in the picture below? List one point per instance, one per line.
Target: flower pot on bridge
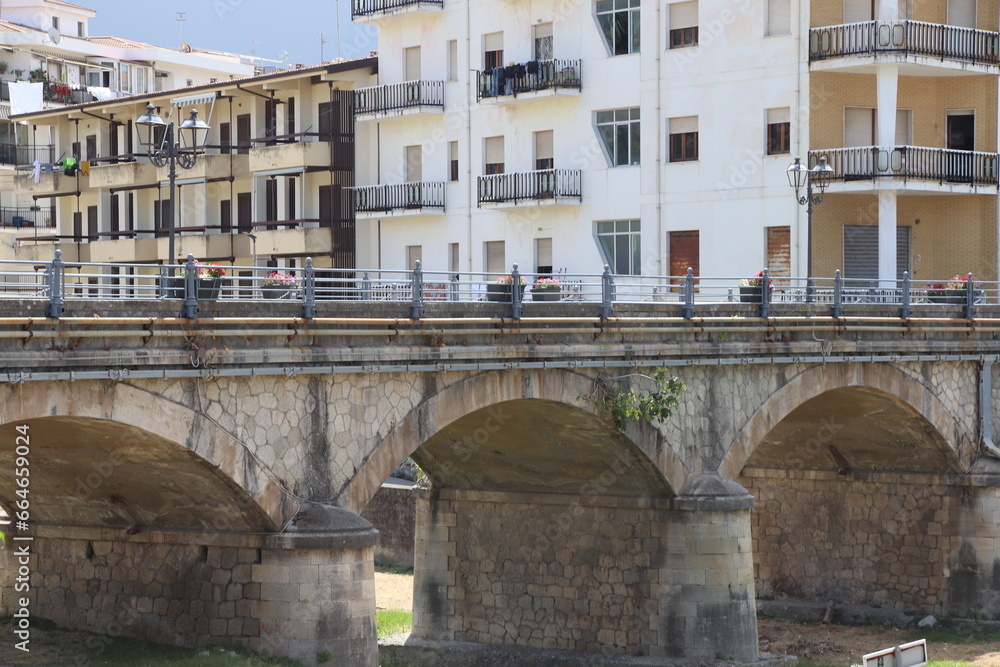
(751, 293)
(502, 293)
(948, 296)
(546, 294)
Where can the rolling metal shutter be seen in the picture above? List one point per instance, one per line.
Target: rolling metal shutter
(778, 251)
(861, 251)
(684, 253)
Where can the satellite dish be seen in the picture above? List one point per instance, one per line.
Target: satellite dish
(54, 35)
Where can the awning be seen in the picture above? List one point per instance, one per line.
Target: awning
(189, 100)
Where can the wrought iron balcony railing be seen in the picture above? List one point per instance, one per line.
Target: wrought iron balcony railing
(906, 37)
(25, 156)
(398, 97)
(528, 77)
(541, 185)
(939, 165)
(362, 8)
(399, 197)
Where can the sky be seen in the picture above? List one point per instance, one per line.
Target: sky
(286, 29)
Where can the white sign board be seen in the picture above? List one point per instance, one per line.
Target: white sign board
(913, 654)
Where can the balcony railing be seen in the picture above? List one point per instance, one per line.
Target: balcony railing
(397, 97)
(370, 7)
(545, 184)
(399, 197)
(907, 37)
(18, 154)
(529, 77)
(911, 162)
(16, 217)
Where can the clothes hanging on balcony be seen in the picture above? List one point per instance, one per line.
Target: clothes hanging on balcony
(498, 80)
(36, 171)
(532, 67)
(85, 167)
(69, 166)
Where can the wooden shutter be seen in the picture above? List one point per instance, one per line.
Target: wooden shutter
(962, 13)
(93, 222)
(683, 125)
(243, 133)
(496, 261)
(778, 251)
(453, 257)
(494, 150)
(115, 213)
(453, 60)
(414, 164)
(683, 15)
(414, 253)
(856, 11)
(493, 41)
(859, 126)
(412, 63)
(543, 145)
(904, 127)
(684, 253)
(543, 255)
(779, 17)
(861, 252)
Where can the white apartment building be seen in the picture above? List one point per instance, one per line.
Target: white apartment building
(49, 41)
(654, 135)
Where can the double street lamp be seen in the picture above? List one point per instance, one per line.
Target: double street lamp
(159, 143)
(800, 176)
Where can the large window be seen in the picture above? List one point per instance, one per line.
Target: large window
(619, 21)
(494, 156)
(684, 139)
(619, 243)
(619, 130)
(683, 24)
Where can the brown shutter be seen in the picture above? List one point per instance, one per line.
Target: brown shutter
(684, 253)
(778, 251)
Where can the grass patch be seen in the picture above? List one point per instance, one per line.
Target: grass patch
(963, 634)
(392, 622)
(386, 568)
(950, 663)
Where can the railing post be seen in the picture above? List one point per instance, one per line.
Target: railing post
(190, 308)
(904, 309)
(765, 293)
(838, 295)
(969, 312)
(688, 311)
(163, 282)
(417, 303)
(366, 288)
(810, 290)
(55, 278)
(515, 293)
(453, 288)
(309, 291)
(607, 284)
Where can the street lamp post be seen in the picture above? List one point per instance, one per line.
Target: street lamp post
(800, 176)
(163, 150)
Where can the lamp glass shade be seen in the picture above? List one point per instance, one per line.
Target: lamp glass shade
(194, 133)
(150, 127)
(797, 175)
(821, 174)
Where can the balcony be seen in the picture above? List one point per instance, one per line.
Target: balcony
(122, 175)
(49, 183)
(533, 79)
(399, 99)
(371, 11)
(918, 168)
(210, 166)
(545, 186)
(907, 42)
(298, 155)
(400, 200)
(24, 156)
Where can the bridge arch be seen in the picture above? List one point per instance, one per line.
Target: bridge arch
(128, 456)
(883, 384)
(487, 398)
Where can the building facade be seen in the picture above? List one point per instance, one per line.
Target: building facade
(269, 189)
(655, 136)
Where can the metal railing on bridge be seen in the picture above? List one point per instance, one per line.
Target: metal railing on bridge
(58, 282)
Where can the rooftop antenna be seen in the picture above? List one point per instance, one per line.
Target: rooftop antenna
(181, 17)
(321, 43)
(337, 6)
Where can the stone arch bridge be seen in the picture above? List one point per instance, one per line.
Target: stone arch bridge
(200, 481)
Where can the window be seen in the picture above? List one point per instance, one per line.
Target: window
(619, 130)
(452, 160)
(125, 79)
(683, 139)
(779, 17)
(414, 164)
(543, 257)
(778, 132)
(620, 245)
(496, 261)
(453, 60)
(55, 22)
(619, 23)
(543, 41)
(453, 257)
(778, 251)
(683, 24)
(80, 30)
(414, 254)
(494, 155)
(543, 150)
(493, 50)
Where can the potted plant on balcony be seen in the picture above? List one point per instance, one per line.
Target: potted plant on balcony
(502, 290)
(546, 289)
(951, 292)
(752, 289)
(210, 278)
(277, 285)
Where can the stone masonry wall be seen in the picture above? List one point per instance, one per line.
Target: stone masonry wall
(392, 513)
(885, 540)
(509, 569)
